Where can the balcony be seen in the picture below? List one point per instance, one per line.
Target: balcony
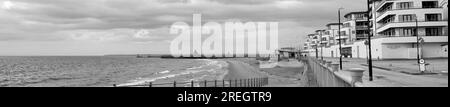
(411, 24)
(383, 4)
(361, 28)
(361, 36)
(408, 11)
(413, 39)
(342, 36)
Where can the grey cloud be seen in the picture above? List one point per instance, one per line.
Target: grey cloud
(66, 15)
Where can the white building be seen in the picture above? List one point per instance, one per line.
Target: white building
(395, 33)
(394, 28)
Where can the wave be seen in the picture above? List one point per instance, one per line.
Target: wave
(213, 69)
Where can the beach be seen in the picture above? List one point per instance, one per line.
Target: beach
(285, 74)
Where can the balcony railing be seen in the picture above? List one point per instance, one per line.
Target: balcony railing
(382, 13)
(387, 36)
(361, 35)
(382, 4)
(408, 22)
(362, 28)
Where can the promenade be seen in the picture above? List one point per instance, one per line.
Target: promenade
(396, 73)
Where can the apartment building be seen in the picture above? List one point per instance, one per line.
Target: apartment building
(355, 27)
(402, 29)
(397, 25)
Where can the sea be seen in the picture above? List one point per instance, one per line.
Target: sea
(104, 71)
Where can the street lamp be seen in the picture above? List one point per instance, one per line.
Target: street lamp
(369, 43)
(417, 38)
(321, 47)
(340, 43)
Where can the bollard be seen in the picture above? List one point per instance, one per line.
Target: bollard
(335, 67)
(114, 85)
(229, 82)
(150, 84)
(357, 75)
(206, 83)
(223, 83)
(192, 83)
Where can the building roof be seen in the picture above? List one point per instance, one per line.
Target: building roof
(360, 12)
(333, 24)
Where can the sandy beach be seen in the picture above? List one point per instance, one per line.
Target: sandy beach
(286, 74)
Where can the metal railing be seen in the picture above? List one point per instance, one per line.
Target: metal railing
(250, 82)
(327, 74)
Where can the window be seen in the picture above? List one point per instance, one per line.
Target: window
(433, 31)
(407, 18)
(346, 25)
(408, 32)
(343, 33)
(327, 33)
(430, 4)
(389, 20)
(433, 17)
(390, 32)
(405, 5)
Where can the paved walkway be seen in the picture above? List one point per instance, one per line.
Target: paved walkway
(389, 78)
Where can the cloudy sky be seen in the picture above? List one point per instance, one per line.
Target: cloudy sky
(98, 27)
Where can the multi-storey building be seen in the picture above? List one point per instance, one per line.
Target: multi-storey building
(355, 27)
(444, 5)
(331, 33)
(399, 25)
(401, 29)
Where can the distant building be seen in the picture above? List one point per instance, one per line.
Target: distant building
(355, 26)
(332, 33)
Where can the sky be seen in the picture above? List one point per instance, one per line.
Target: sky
(99, 27)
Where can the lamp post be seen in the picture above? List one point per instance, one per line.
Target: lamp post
(321, 47)
(417, 38)
(369, 43)
(340, 44)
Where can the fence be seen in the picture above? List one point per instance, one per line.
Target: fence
(251, 82)
(327, 74)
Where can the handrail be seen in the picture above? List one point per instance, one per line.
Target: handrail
(249, 82)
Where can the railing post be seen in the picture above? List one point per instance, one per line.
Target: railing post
(251, 82)
(192, 83)
(215, 83)
(174, 83)
(229, 82)
(248, 82)
(223, 83)
(235, 83)
(245, 83)
(258, 82)
(357, 75)
(206, 83)
(240, 82)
